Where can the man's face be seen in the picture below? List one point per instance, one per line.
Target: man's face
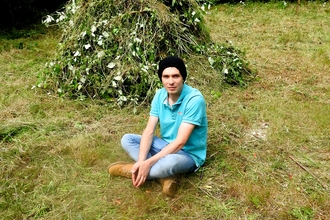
(172, 81)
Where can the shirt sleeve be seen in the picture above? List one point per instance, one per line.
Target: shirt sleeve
(195, 110)
(154, 111)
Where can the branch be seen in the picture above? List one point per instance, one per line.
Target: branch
(304, 168)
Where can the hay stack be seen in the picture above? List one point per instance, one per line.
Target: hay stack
(110, 48)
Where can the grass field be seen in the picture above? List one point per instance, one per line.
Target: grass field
(268, 148)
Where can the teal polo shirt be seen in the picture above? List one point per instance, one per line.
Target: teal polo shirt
(189, 108)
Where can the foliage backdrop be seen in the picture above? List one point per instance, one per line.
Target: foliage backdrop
(19, 13)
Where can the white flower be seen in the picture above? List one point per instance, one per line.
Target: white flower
(211, 61)
(193, 13)
(61, 17)
(48, 19)
(74, 7)
(111, 65)
(123, 98)
(73, 10)
(203, 7)
(138, 40)
(145, 69)
(114, 84)
(93, 29)
(197, 20)
(87, 46)
(117, 78)
(105, 34)
(100, 54)
(100, 42)
(77, 54)
(83, 79)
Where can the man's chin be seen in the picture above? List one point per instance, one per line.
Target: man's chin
(171, 91)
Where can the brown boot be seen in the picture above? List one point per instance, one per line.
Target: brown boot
(121, 169)
(170, 185)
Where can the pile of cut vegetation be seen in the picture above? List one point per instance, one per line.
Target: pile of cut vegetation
(110, 49)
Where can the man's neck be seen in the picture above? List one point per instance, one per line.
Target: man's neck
(172, 99)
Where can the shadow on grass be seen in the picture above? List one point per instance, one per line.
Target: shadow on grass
(8, 133)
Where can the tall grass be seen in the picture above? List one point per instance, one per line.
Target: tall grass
(268, 154)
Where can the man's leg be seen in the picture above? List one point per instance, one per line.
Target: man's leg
(164, 170)
(180, 162)
(131, 144)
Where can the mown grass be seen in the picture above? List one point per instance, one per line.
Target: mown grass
(268, 154)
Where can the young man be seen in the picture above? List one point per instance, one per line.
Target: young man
(181, 112)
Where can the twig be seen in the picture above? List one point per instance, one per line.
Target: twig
(304, 168)
(204, 191)
(298, 6)
(215, 153)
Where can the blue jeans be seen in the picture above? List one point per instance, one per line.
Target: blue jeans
(180, 162)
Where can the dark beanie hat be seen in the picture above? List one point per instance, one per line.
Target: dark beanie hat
(172, 62)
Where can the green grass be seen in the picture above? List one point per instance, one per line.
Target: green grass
(269, 144)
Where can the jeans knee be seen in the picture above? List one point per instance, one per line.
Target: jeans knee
(125, 140)
(130, 140)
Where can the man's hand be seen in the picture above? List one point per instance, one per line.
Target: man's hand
(140, 172)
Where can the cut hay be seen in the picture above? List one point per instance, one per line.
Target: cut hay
(110, 49)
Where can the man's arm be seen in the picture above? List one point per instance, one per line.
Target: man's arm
(184, 133)
(145, 144)
(147, 137)
(143, 167)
